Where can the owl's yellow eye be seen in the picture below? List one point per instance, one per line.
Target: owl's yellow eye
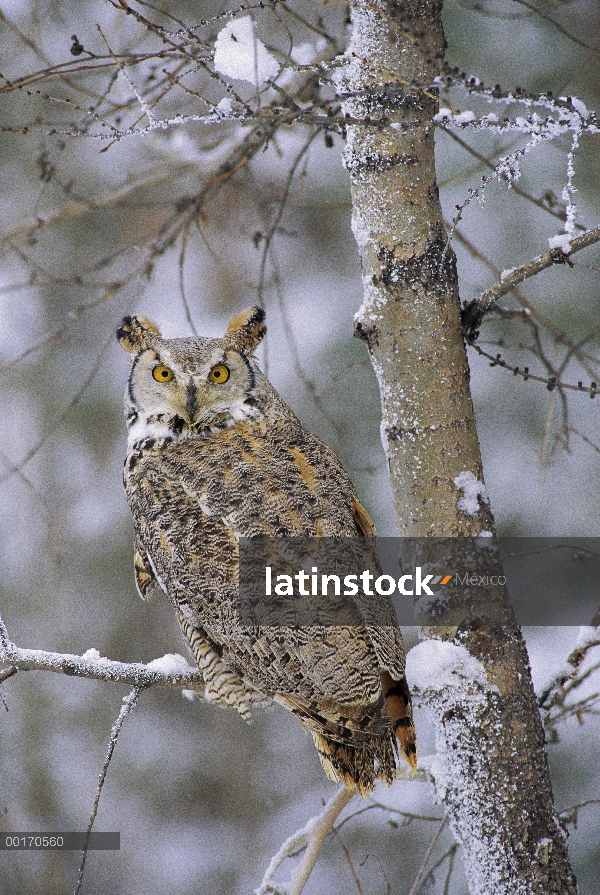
(219, 374)
(162, 373)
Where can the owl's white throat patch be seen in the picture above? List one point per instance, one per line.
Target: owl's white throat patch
(143, 426)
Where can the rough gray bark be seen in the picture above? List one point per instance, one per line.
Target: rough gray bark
(491, 769)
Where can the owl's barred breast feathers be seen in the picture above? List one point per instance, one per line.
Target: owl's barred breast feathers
(215, 454)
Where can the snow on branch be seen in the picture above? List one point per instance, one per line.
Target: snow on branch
(448, 679)
(546, 119)
(311, 837)
(566, 696)
(567, 110)
(171, 670)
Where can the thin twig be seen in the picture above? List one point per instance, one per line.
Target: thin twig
(569, 815)
(557, 25)
(184, 240)
(567, 675)
(8, 672)
(348, 859)
(49, 516)
(128, 704)
(417, 883)
(514, 187)
(452, 856)
(62, 415)
(447, 855)
(408, 816)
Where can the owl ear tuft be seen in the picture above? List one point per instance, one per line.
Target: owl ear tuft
(136, 333)
(246, 330)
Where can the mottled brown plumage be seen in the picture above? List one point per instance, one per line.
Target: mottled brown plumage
(215, 454)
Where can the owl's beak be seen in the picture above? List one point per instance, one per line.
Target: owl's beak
(191, 403)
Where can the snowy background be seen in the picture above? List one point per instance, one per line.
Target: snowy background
(201, 799)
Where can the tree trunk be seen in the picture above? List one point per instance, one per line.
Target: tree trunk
(491, 770)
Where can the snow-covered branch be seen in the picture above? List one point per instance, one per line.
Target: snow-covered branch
(171, 670)
(311, 836)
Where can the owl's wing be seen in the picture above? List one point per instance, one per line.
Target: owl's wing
(362, 520)
(145, 579)
(384, 633)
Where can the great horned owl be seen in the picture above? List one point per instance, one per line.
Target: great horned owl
(215, 454)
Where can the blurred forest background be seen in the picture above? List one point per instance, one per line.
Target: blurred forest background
(94, 227)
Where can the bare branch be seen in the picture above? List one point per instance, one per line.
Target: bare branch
(563, 681)
(570, 815)
(349, 860)
(473, 312)
(407, 816)
(560, 215)
(550, 382)
(47, 512)
(557, 25)
(15, 468)
(416, 886)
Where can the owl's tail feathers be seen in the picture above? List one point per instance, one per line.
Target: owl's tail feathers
(399, 708)
(357, 767)
(373, 758)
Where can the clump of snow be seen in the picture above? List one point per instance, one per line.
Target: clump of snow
(222, 111)
(192, 695)
(444, 114)
(303, 54)
(172, 663)
(464, 117)
(473, 490)
(225, 107)
(461, 119)
(561, 241)
(579, 107)
(506, 273)
(436, 664)
(91, 654)
(239, 54)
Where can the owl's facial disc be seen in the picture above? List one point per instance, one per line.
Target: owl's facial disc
(184, 388)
